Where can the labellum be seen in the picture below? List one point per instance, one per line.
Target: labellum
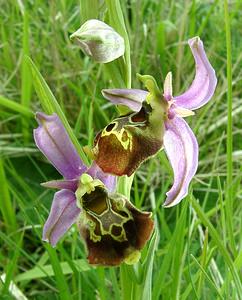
(113, 229)
(129, 140)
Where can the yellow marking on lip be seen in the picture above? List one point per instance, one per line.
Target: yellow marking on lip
(104, 219)
(127, 145)
(89, 152)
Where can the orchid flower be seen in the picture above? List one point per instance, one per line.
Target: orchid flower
(156, 121)
(113, 229)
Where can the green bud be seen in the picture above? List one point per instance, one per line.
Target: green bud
(99, 41)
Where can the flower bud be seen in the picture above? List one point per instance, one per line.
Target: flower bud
(99, 41)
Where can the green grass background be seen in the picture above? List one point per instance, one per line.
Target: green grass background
(198, 254)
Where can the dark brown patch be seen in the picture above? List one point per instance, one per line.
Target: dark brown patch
(113, 158)
(116, 230)
(108, 251)
(95, 201)
(141, 116)
(110, 127)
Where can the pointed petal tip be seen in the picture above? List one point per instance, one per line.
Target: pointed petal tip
(168, 87)
(173, 202)
(104, 91)
(183, 112)
(168, 75)
(168, 205)
(195, 41)
(45, 239)
(71, 184)
(132, 98)
(138, 76)
(52, 243)
(41, 117)
(72, 36)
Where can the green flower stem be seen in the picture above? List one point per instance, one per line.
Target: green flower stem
(6, 207)
(116, 20)
(128, 274)
(229, 202)
(124, 185)
(26, 77)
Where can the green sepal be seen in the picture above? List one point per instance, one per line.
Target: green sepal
(151, 85)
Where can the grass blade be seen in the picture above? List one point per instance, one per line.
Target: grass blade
(25, 77)
(229, 202)
(217, 239)
(207, 277)
(6, 206)
(59, 276)
(16, 107)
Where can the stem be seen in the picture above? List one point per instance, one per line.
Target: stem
(229, 202)
(6, 207)
(117, 22)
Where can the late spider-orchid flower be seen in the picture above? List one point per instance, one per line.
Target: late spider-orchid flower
(113, 229)
(157, 122)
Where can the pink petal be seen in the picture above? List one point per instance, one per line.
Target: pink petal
(204, 83)
(63, 215)
(53, 141)
(68, 184)
(181, 147)
(108, 180)
(132, 98)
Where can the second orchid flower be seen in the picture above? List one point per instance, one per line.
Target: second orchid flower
(156, 121)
